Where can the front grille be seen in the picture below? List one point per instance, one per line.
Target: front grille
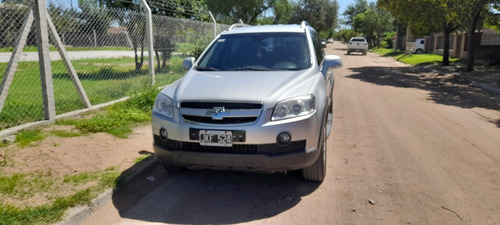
(264, 149)
(230, 112)
(227, 105)
(231, 120)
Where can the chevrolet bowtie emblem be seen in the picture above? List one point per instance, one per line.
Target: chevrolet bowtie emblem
(217, 113)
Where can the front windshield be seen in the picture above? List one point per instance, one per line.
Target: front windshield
(262, 51)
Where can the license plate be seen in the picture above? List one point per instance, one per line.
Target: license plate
(216, 138)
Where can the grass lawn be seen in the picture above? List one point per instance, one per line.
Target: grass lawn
(103, 80)
(412, 59)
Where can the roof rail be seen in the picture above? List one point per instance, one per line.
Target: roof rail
(304, 24)
(238, 25)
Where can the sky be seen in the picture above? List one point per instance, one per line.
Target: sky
(343, 5)
(66, 3)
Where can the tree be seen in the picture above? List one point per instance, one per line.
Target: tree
(472, 12)
(423, 15)
(321, 14)
(360, 6)
(231, 11)
(24, 2)
(189, 9)
(66, 21)
(282, 11)
(12, 18)
(345, 35)
(163, 45)
(93, 17)
(373, 23)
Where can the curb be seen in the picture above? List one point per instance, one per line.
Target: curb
(78, 214)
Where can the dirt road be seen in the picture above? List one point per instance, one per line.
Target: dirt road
(401, 152)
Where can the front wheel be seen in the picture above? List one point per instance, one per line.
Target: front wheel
(317, 171)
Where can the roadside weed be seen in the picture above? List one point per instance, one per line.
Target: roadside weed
(143, 157)
(24, 186)
(65, 133)
(26, 137)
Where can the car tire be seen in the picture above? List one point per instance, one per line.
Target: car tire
(348, 52)
(317, 171)
(364, 52)
(419, 51)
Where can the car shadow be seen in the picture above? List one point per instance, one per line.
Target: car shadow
(209, 197)
(445, 88)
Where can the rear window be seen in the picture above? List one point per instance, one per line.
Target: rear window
(262, 51)
(358, 39)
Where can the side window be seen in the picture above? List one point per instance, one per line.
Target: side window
(318, 48)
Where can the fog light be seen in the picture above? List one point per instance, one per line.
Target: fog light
(283, 138)
(163, 134)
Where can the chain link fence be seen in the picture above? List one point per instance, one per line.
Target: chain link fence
(106, 47)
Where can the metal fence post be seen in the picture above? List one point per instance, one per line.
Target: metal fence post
(67, 63)
(14, 60)
(215, 24)
(149, 23)
(42, 35)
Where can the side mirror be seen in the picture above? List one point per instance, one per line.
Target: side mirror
(330, 62)
(188, 63)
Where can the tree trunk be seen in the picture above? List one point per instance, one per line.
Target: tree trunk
(157, 59)
(446, 48)
(398, 33)
(139, 62)
(470, 52)
(470, 42)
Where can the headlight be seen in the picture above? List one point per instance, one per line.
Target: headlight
(294, 107)
(164, 106)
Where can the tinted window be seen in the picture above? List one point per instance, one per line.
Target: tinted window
(318, 47)
(262, 51)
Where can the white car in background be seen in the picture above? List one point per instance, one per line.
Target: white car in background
(357, 44)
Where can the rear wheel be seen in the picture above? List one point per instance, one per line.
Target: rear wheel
(317, 171)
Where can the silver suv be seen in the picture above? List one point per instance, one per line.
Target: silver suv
(259, 98)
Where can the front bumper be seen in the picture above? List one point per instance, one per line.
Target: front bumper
(357, 50)
(258, 152)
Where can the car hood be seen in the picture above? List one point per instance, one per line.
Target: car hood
(268, 87)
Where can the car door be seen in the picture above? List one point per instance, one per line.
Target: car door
(320, 54)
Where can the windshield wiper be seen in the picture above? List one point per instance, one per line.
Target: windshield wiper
(251, 68)
(207, 68)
